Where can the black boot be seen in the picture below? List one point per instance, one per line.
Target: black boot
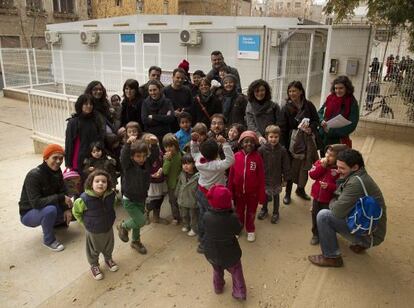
(288, 191)
(263, 212)
(300, 191)
(275, 215)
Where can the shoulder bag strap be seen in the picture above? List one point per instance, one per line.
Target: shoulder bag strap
(202, 107)
(363, 186)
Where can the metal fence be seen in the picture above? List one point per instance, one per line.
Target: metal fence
(389, 88)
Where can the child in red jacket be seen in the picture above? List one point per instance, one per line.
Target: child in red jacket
(325, 174)
(247, 182)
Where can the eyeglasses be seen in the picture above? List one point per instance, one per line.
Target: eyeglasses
(217, 123)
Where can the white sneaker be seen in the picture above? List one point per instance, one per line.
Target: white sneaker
(55, 246)
(251, 237)
(185, 229)
(191, 233)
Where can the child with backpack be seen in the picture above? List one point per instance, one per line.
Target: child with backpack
(324, 173)
(186, 195)
(277, 170)
(95, 211)
(212, 171)
(171, 168)
(247, 182)
(222, 248)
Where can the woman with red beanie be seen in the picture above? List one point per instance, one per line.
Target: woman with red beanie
(222, 249)
(247, 181)
(43, 201)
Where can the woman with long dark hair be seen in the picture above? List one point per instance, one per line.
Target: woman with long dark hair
(296, 109)
(234, 103)
(341, 100)
(132, 103)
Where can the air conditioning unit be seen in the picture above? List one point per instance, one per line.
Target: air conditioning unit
(89, 37)
(52, 37)
(190, 37)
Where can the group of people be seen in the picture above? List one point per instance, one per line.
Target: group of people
(218, 154)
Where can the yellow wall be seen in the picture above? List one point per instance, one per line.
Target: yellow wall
(108, 8)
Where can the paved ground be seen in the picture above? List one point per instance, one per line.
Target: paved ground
(174, 275)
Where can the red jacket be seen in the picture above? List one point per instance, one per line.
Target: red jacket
(247, 176)
(322, 174)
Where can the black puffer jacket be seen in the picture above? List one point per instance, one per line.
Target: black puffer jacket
(89, 130)
(221, 245)
(42, 186)
(131, 111)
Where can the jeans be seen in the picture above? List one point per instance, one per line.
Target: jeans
(203, 206)
(316, 208)
(173, 203)
(328, 225)
(236, 271)
(47, 217)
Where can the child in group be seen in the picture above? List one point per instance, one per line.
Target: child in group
(324, 172)
(158, 187)
(171, 169)
(99, 160)
(115, 111)
(94, 209)
(247, 182)
(185, 193)
(184, 134)
(234, 133)
(277, 170)
(222, 248)
(211, 170)
(135, 181)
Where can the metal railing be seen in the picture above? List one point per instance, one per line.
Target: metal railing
(49, 112)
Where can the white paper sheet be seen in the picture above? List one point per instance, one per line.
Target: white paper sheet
(338, 122)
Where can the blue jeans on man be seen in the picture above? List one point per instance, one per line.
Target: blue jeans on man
(47, 217)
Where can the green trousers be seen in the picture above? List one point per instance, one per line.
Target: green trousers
(136, 211)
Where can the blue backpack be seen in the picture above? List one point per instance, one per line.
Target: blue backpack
(364, 217)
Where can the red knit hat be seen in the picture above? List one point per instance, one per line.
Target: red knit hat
(249, 133)
(185, 65)
(219, 197)
(52, 149)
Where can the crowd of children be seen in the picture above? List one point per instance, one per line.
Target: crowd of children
(216, 177)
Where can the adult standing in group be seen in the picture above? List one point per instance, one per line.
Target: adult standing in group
(132, 103)
(261, 111)
(206, 103)
(331, 221)
(154, 73)
(234, 103)
(217, 62)
(43, 201)
(157, 111)
(100, 100)
(341, 101)
(82, 129)
(179, 95)
(297, 108)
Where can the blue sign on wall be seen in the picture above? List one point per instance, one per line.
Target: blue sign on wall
(249, 47)
(128, 38)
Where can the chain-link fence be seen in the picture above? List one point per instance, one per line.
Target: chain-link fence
(389, 88)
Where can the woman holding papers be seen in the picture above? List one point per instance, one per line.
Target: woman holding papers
(299, 126)
(339, 114)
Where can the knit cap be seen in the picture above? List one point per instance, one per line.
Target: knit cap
(230, 76)
(219, 197)
(52, 149)
(185, 65)
(249, 133)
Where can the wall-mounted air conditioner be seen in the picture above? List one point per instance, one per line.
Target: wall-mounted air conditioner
(53, 37)
(89, 37)
(190, 37)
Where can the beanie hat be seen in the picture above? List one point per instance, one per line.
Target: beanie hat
(185, 65)
(249, 133)
(230, 76)
(52, 149)
(219, 197)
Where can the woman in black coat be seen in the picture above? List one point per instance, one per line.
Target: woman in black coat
(132, 103)
(234, 104)
(157, 111)
(206, 103)
(82, 129)
(297, 108)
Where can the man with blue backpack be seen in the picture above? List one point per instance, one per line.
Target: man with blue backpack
(357, 212)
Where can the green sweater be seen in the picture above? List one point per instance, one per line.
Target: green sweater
(348, 193)
(79, 205)
(171, 169)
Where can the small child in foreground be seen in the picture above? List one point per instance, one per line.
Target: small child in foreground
(94, 209)
(325, 174)
(222, 248)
